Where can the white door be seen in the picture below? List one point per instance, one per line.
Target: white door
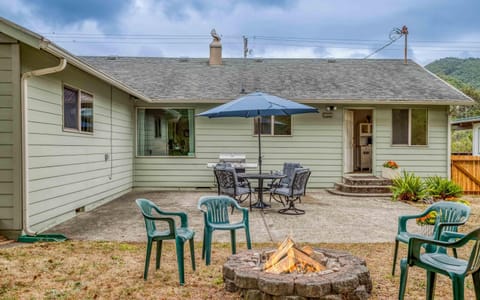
(348, 141)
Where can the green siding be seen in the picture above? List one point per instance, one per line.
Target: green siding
(10, 188)
(424, 161)
(315, 142)
(67, 170)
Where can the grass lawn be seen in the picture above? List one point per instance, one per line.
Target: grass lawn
(114, 270)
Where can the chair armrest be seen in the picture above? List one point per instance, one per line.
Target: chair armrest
(170, 221)
(416, 242)
(245, 215)
(441, 225)
(450, 235)
(402, 221)
(182, 215)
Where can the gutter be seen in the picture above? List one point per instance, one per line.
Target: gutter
(51, 48)
(24, 103)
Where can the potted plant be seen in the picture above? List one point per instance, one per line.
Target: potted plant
(390, 170)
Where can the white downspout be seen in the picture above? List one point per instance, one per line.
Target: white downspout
(24, 103)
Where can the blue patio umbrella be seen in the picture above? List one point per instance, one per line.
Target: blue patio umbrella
(258, 105)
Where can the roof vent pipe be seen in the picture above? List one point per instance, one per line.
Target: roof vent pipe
(215, 49)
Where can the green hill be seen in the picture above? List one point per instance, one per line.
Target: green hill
(464, 74)
(465, 70)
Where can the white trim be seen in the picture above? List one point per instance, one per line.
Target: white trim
(476, 139)
(449, 147)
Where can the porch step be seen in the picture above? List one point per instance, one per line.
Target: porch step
(363, 189)
(366, 180)
(363, 186)
(340, 193)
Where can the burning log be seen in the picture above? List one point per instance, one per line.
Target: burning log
(289, 258)
(280, 253)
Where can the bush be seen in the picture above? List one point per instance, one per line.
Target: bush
(440, 188)
(408, 187)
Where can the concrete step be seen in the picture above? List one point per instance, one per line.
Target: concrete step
(366, 180)
(340, 193)
(363, 189)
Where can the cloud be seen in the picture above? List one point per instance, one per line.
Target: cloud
(61, 12)
(340, 28)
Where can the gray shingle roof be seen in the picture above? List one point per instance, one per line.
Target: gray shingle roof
(297, 79)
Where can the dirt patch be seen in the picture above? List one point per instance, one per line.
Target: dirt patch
(113, 270)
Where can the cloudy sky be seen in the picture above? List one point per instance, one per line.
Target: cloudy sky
(274, 28)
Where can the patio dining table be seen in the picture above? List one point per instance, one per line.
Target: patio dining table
(260, 177)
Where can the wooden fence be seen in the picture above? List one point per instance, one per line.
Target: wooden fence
(466, 172)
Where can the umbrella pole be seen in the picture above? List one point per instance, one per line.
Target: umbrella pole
(259, 144)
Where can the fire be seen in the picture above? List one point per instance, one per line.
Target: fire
(288, 258)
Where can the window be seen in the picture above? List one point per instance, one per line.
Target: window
(409, 127)
(165, 132)
(282, 125)
(77, 110)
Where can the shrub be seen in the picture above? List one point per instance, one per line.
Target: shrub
(441, 188)
(408, 187)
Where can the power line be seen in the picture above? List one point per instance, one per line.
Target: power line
(258, 37)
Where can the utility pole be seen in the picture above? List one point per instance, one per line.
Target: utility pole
(405, 34)
(245, 47)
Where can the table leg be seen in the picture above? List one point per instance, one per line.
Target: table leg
(260, 203)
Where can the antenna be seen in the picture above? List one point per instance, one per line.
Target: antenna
(245, 53)
(394, 35)
(405, 34)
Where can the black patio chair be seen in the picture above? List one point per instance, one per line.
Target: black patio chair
(293, 192)
(228, 184)
(288, 171)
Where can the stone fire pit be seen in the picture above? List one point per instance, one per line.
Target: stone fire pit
(346, 277)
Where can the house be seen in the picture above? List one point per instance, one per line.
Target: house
(77, 132)
(473, 124)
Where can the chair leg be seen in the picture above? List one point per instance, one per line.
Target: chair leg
(247, 234)
(181, 268)
(430, 285)
(458, 287)
(208, 246)
(233, 240)
(476, 284)
(403, 278)
(203, 243)
(192, 252)
(395, 252)
(147, 258)
(159, 254)
(454, 250)
(250, 201)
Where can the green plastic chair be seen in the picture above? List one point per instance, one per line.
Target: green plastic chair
(216, 217)
(439, 262)
(179, 234)
(450, 215)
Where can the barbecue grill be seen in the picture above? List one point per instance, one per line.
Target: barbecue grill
(238, 161)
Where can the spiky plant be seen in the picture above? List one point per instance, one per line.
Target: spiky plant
(408, 187)
(441, 188)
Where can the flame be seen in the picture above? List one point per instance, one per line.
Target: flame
(288, 258)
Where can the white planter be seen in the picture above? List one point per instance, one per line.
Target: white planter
(390, 173)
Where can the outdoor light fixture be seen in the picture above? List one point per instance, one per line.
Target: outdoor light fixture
(330, 108)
